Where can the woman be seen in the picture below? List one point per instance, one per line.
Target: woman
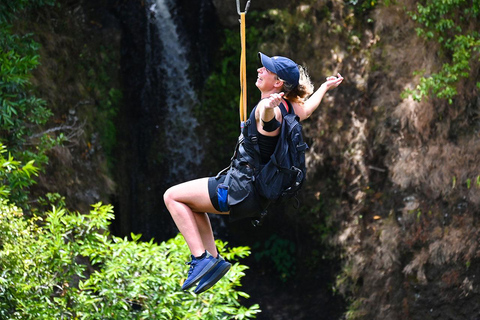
(188, 203)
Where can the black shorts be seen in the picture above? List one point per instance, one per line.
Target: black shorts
(212, 190)
(251, 208)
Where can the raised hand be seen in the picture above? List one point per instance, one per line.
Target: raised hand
(333, 81)
(274, 100)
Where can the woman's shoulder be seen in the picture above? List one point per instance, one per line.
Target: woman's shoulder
(296, 104)
(298, 107)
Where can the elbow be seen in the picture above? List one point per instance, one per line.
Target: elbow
(305, 115)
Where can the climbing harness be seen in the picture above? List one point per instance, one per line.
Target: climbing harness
(249, 187)
(243, 65)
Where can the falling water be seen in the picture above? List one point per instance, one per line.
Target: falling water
(183, 146)
(159, 132)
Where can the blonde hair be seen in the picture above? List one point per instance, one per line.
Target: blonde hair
(302, 91)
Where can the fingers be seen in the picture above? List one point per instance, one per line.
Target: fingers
(275, 99)
(277, 95)
(333, 81)
(338, 77)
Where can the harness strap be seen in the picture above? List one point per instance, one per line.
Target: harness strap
(243, 65)
(240, 140)
(243, 72)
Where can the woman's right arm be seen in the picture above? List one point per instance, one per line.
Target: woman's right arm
(266, 111)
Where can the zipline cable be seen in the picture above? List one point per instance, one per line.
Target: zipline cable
(243, 65)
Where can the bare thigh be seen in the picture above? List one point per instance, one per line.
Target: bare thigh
(194, 194)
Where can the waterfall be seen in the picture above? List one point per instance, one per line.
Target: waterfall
(184, 149)
(157, 129)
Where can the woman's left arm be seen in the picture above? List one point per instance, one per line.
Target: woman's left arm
(306, 109)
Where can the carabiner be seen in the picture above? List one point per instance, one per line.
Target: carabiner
(246, 7)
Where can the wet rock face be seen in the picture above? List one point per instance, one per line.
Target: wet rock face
(199, 25)
(72, 40)
(165, 44)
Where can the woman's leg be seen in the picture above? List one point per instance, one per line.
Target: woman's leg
(188, 203)
(206, 233)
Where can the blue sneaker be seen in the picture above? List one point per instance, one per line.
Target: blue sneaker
(198, 268)
(212, 277)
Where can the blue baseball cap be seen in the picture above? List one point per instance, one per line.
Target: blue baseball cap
(285, 68)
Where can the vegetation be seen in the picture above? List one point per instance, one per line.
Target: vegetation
(21, 113)
(393, 188)
(97, 66)
(65, 265)
(448, 23)
(61, 264)
(276, 249)
(410, 164)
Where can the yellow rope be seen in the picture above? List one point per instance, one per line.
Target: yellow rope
(243, 72)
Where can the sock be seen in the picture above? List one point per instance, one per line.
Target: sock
(202, 256)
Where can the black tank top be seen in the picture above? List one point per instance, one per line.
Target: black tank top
(267, 146)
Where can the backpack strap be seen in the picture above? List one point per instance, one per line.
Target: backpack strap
(251, 133)
(286, 108)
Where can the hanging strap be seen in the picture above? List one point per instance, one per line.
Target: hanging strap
(243, 65)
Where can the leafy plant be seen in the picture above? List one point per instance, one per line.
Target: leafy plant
(13, 176)
(20, 110)
(449, 24)
(364, 5)
(280, 252)
(65, 265)
(22, 114)
(355, 310)
(9, 9)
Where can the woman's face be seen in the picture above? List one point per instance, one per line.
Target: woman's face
(266, 80)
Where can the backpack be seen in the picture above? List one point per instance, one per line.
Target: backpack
(283, 175)
(252, 187)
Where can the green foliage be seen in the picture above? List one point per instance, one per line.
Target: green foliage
(50, 199)
(9, 9)
(362, 6)
(13, 176)
(67, 266)
(450, 24)
(355, 310)
(281, 252)
(22, 114)
(285, 22)
(20, 110)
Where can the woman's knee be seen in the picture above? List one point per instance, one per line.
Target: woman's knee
(193, 194)
(169, 196)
